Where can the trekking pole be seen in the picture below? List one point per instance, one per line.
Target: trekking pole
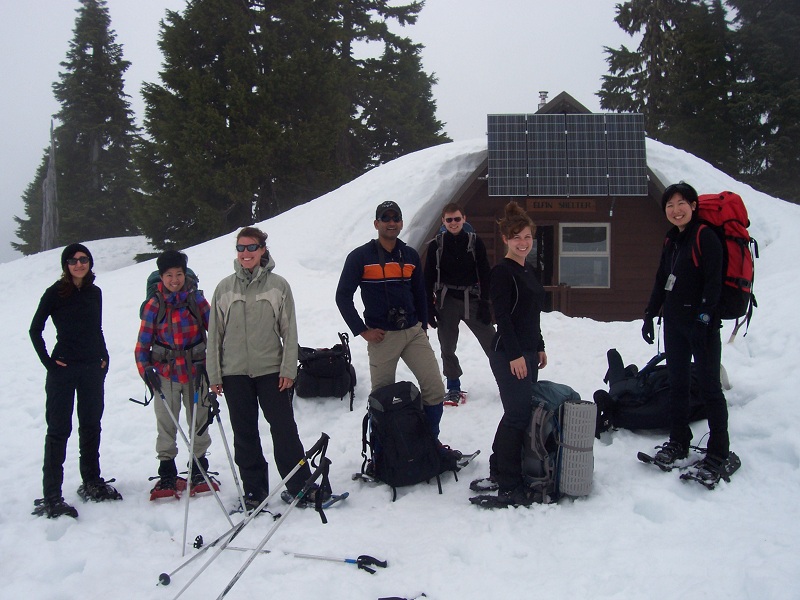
(192, 436)
(320, 447)
(321, 470)
(152, 377)
(214, 411)
(364, 561)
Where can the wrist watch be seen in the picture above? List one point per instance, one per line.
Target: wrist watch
(704, 318)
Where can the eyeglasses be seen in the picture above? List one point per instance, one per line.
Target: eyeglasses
(387, 218)
(451, 219)
(248, 247)
(74, 261)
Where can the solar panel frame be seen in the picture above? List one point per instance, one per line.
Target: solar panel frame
(547, 156)
(627, 156)
(508, 165)
(558, 155)
(587, 161)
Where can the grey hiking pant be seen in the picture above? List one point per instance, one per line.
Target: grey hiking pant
(451, 313)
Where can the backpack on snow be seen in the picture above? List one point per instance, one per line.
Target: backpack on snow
(726, 215)
(159, 352)
(558, 458)
(326, 372)
(639, 399)
(402, 449)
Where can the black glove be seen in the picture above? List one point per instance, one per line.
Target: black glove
(432, 314)
(484, 312)
(648, 333)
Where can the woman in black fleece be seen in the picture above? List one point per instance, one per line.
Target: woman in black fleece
(517, 351)
(78, 364)
(686, 292)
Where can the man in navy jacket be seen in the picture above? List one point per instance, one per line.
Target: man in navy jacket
(389, 273)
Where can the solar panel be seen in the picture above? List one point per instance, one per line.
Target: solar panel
(627, 162)
(508, 168)
(547, 156)
(586, 155)
(567, 155)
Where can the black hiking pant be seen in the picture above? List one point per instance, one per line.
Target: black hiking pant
(85, 380)
(505, 463)
(244, 395)
(681, 342)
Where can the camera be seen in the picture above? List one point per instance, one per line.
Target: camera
(398, 318)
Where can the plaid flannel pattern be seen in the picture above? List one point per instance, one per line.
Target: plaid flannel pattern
(178, 330)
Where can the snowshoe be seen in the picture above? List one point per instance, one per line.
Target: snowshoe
(466, 459)
(709, 470)
(484, 484)
(309, 500)
(455, 397)
(52, 508)
(98, 491)
(521, 496)
(199, 485)
(168, 487)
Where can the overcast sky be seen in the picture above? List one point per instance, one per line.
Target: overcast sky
(490, 56)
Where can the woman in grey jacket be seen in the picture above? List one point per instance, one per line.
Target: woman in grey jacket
(252, 359)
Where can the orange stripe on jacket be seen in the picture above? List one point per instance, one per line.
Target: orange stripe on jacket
(376, 273)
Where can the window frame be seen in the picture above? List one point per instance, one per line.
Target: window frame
(566, 254)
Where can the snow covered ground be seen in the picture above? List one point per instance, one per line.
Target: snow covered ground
(640, 534)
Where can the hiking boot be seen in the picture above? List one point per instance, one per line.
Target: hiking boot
(98, 491)
(670, 452)
(485, 484)
(53, 508)
(253, 500)
(454, 397)
(197, 475)
(167, 483)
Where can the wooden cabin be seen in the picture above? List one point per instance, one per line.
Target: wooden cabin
(584, 180)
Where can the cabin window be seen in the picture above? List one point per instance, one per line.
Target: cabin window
(584, 258)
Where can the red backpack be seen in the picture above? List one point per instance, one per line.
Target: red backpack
(726, 215)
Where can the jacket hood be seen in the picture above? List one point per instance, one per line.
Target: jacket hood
(266, 266)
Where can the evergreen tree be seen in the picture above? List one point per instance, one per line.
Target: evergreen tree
(95, 139)
(769, 93)
(680, 77)
(263, 106)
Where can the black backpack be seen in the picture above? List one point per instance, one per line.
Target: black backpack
(639, 399)
(326, 372)
(558, 458)
(402, 449)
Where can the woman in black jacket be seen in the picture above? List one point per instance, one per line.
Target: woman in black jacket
(516, 355)
(78, 365)
(687, 292)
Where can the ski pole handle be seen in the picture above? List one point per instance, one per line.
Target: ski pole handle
(364, 561)
(321, 444)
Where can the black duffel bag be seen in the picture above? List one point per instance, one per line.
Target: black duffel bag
(326, 372)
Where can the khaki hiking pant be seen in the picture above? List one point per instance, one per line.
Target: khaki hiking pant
(166, 442)
(413, 347)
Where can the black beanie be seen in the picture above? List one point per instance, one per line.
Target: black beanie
(70, 251)
(170, 259)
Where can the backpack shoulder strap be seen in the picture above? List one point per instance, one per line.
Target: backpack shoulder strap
(696, 250)
(439, 243)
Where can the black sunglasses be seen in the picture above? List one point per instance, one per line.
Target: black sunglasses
(387, 218)
(248, 247)
(451, 219)
(74, 261)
